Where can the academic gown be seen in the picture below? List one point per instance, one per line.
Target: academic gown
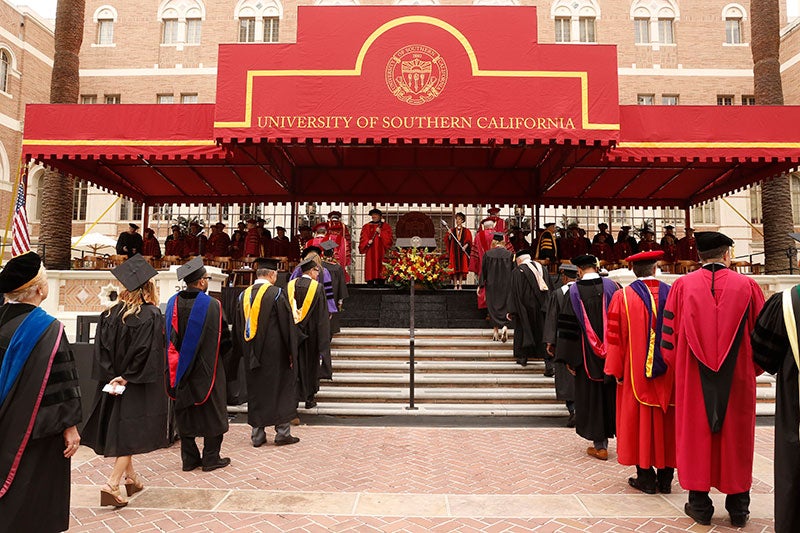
(339, 287)
(34, 475)
(645, 405)
(495, 278)
(200, 402)
(595, 393)
(565, 382)
(315, 338)
(459, 261)
(136, 421)
(773, 352)
(129, 244)
(701, 327)
(481, 244)
(375, 252)
(269, 358)
(687, 249)
(151, 248)
(527, 304)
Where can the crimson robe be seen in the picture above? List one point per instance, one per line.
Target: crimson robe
(602, 251)
(687, 249)
(280, 247)
(669, 243)
(338, 233)
(173, 246)
(702, 327)
(219, 245)
(150, 247)
(459, 261)
(481, 244)
(622, 249)
(252, 243)
(375, 252)
(645, 406)
(648, 246)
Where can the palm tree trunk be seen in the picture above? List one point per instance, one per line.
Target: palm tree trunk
(57, 189)
(776, 199)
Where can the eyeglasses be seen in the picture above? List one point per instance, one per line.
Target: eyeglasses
(209, 278)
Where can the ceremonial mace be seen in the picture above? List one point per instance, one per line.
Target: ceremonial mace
(450, 231)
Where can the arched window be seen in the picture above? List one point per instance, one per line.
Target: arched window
(105, 17)
(575, 20)
(654, 21)
(181, 21)
(35, 184)
(79, 200)
(5, 68)
(734, 15)
(259, 20)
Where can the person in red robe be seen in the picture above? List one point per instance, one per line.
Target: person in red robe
(281, 246)
(499, 223)
(707, 318)
(299, 243)
(195, 242)
(150, 245)
(376, 238)
(219, 243)
(340, 234)
(648, 242)
(174, 243)
(459, 242)
(687, 247)
(625, 245)
(645, 397)
(601, 249)
(669, 243)
(481, 244)
(320, 234)
(603, 231)
(252, 241)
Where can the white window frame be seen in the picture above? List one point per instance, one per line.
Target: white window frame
(726, 99)
(104, 14)
(180, 11)
(260, 10)
(645, 99)
(578, 12)
(112, 99)
(735, 12)
(88, 99)
(670, 99)
(165, 98)
(655, 11)
(189, 98)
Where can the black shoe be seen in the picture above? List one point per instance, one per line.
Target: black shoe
(549, 372)
(665, 488)
(311, 404)
(571, 420)
(222, 462)
(700, 518)
(288, 440)
(639, 484)
(188, 467)
(258, 437)
(739, 519)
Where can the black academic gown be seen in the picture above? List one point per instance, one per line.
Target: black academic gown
(38, 496)
(339, 286)
(527, 304)
(595, 393)
(132, 241)
(315, 339)
(137, 420)
(200, 406)
(269, 359)
(773, 353)
(496, 278)
(565, 381)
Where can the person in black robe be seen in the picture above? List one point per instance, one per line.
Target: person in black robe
(580, 346)
(129, 352)
(265, 337)
(559, 299)
(129, 242)
(495, 278)
(198, 341)
(309, 307)
(338, 282)
(40, 404)
(527, 304)
(773, 351)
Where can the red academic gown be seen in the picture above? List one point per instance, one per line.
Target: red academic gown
(252, 243)
(699, 326)
(459, 261)
(481, 244)
(645, 406)
(219, 245)
(338, 233)
(375, 252)
(648, 246)
(151, 248)
(687, 249)
(173, 246)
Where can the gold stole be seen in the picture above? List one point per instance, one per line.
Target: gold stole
(791, 330)
(252, 311)
(300, 314)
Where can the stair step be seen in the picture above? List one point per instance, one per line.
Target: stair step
(465, 367)
(436, 393)
(418, 332)
(439, 342)
(422, 353)
(341, 379)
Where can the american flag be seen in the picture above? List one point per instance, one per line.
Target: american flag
(21, 241)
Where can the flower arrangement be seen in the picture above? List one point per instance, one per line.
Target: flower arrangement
(415, 265)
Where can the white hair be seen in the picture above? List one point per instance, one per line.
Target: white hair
(29, 289)
(488, 224)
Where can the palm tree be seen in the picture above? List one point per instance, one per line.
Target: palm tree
(775, 193)
(57, 190)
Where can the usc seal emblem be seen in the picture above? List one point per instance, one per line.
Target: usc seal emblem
(416, 74)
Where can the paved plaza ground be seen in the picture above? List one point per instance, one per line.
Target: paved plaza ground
(393, 479)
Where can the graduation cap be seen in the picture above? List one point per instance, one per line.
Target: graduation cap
(548, 224)
(497, 236)
(280, 228)
(309, 249)
(669, 226)
(133, 226)
(19, 271)
(335, 215)
(134, 272)
(266, 263)
(494, 210)
(602, 225)
(585, 260)
(523, 253)
(328, 246)
(375, 211)
(568, 269)
(192, 271)
(307, 264)
(645, 257)
(150, 231)
(708, 240)
(625, 228)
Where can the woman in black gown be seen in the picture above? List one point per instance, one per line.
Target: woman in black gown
(129, 351)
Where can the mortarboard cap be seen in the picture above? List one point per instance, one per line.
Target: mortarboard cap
(548, 224)
(150, 231)
(708, 240)
(497, 236)
(645, 257)
(795, 236)
(461, 215)
(375, 211)
(266, 262)
(585, 260)
(280, 228)
(134, 272)
(219, 225)
(602, 225)
(307, 264)
(566, 267)
(335, 214)
(192, 271)
(19, 271)
(133, 226)
(309, 249)
(523, 252)
(328, 245)
(669, 226)
(625, 228)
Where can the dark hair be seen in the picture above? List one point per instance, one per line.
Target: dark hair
(570, 274)
(263, 272)
(642, 269)
(714, 253)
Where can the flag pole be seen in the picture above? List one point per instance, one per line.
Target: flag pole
(22, 169)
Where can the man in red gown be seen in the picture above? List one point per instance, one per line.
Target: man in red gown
(707, 318)
(648, 242)
(669, 243)
(174, 244)
(280, 245)
(150, 245)
(376, 238)
(481, 244)
(320, 234)
(219, 243)
(645, 398)
(499, 223)
(459, 242)
(252, 241)
(687, 247)
(340, 234)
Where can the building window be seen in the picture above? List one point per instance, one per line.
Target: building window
(587, 29)
(271, 29)
(105, 32)
(665, 32)
(193, 27)
(79, 197)
(645, 99)
(733, 31)
(170, 33)
(748, 100)
(795, 179)
(562, 29)
(130, 210)
(705, 214)
(5, 63)
(724, 99)
(247, 30)
(165, 99)
(113, 99)
(181, 21)
(188, 98)
(641, 30)
(755, 204)
(88, 98)
(669, 99)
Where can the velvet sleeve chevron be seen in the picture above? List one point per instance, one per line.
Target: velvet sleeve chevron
(670, 328)
(769, 341)
(61, 402)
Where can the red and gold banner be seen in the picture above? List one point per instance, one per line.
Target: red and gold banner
(402, 73)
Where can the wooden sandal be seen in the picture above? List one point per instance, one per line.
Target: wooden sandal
(110, 496)
(133, 484)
